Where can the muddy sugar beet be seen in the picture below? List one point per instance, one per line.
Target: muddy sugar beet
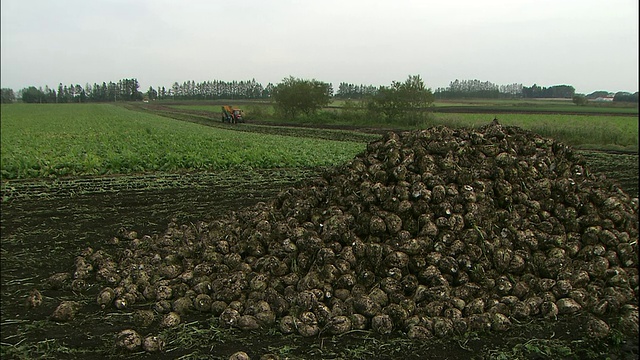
(427, 233)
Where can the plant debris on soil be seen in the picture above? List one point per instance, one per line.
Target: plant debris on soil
(430, 234)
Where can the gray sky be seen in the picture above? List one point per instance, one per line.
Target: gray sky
(590, 44)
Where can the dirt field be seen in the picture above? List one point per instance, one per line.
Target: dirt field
(45, 225)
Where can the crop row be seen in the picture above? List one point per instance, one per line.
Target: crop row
(229, 180)
(96, 139)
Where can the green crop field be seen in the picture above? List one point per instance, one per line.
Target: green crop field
(539, 105)
(201, 107)
(535, 108)
(94, 139)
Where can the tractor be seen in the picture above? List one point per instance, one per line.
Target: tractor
(232, 115)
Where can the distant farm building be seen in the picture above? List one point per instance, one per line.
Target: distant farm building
(604, 98)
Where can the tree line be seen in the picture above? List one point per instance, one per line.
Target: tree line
(459, 89)
(128, 90)
(556, 91)
(211, 90)
(123, 90)
(352, 91)
(469, 89)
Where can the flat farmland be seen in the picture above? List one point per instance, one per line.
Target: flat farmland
(598, 128)
(76, 176)
(58, 140)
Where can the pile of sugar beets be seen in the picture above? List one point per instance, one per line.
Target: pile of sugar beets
(428, 233)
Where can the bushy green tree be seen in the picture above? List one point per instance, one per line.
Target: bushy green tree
(402, 100)
(152, 94)
(580, 100)
(597, 94)
(555, 91)
(295, 96)
(7, 95)
(32, 95)
(623, 96)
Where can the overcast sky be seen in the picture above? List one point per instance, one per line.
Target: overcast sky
(590, 44)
